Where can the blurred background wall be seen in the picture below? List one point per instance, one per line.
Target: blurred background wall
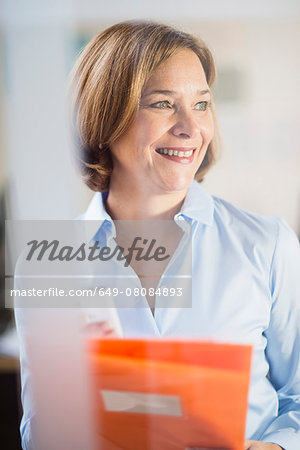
(256, 46)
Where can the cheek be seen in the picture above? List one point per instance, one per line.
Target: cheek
(149, 129)
(208, 130)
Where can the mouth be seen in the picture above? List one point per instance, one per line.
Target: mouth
(180, 155)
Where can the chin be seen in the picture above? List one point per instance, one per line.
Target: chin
(178, 183)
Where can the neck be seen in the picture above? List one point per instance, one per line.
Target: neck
(127, 202)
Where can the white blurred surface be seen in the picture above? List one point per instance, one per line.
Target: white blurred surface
(60, 380)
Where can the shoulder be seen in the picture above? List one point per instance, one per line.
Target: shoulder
(226, 217)
(244, 223)
(266, 237)
(267, 240)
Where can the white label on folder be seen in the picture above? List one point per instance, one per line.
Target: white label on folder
(135, 402)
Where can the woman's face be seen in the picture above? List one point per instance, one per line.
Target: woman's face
(168, 138)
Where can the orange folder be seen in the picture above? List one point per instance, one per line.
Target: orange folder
(168, 395)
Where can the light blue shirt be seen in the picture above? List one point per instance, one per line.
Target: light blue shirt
(245, 289)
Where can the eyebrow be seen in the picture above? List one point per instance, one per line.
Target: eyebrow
(167, 92)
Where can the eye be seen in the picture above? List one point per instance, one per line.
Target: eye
(202, 106)
(165, 104)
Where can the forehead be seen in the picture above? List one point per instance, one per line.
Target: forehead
(182, 68)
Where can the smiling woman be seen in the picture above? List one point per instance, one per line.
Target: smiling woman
(145, 135)
(168, 138)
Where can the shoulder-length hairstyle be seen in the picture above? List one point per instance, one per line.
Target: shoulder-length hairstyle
(106, 88)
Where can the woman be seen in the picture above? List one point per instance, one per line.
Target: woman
(145, 128)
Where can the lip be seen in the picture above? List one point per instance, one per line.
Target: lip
(180, 149)
(178, 160)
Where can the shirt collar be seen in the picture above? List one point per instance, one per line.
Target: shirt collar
(198, 205)
(96, 209)
(96, 218)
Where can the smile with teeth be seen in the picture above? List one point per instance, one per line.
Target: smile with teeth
(179, 153)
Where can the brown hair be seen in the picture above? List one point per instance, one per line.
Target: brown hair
(107, 84)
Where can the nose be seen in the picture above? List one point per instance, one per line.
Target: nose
(186, 126)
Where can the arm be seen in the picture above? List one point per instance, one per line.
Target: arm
(283, 339)
(258, 445)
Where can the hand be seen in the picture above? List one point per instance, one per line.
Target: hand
(249, 445)
(258, 445)
(100, 329)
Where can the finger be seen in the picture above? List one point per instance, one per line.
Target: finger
(247, 445)
(103, 329)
